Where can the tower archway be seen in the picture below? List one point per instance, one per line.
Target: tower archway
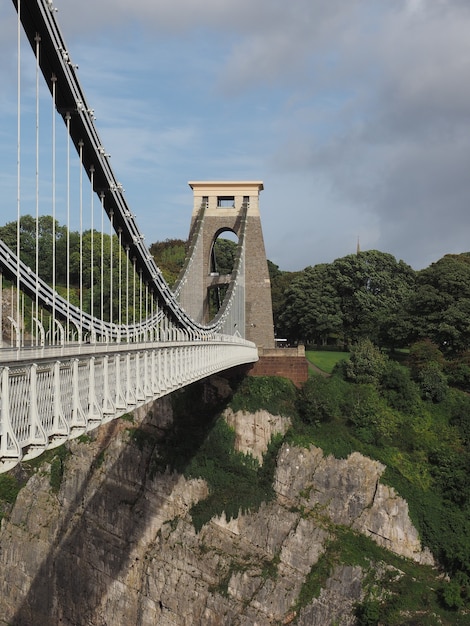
(222, 261)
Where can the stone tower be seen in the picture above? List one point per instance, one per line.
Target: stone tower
(223, 204)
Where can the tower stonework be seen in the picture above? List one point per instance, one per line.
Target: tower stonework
(222, 202)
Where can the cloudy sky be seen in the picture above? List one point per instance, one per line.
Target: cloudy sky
(354, 113)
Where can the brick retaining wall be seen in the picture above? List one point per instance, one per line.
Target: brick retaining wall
(287, 362)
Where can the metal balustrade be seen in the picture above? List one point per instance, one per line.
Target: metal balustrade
(45, 403)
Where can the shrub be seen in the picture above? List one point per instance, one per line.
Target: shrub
(432, 382)
(450, 596)
(398, 389)
(360, 404)
(368, 613)
(458, 406)
(319, 399)
(236, 481)
(274, 394)
(9, 488)
(450, 471)
(373, 421)
(58, 468)
(458, 375)
(365, 364)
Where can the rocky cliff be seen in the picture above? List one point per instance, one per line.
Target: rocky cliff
(114, 544)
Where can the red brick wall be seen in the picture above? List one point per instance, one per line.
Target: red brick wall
(293, 367)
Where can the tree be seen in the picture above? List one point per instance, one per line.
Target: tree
(356, 296)
(169, 255)
(368, 613)
(398, 389)
(374, 289)
(432, 382)
(451, 595)
(280, 283)
(223, 255)
(440, 307)
(73, 252)
(458, 371)
(312, 308)
(422, 353)
(48, 229)
(426, 364)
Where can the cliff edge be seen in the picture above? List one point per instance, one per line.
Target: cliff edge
(114, 543)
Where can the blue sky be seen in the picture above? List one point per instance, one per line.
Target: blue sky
(354, 113)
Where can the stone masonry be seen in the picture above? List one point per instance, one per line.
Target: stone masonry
(221, 216)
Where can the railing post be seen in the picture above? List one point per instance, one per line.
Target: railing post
(139, 383)
(75, 421)
(155, 381)
(148, 381)
(38, 435)
(10, 448)
(60, 426)
(108, 405)
(162, 369)
(171, 356)
(95, 411)
(120, 399)
(130, 391)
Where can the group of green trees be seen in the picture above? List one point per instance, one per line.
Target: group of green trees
(365, 295)
(76, 253)
(170, 256)
(368, 294)
(371, 294)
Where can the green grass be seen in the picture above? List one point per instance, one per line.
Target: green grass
(333, 437)
(325, 360)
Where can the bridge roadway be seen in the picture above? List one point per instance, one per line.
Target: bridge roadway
(52, 394)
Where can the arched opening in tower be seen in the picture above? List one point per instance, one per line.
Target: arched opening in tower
(221, 265)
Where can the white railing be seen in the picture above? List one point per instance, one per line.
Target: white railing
(51, 400)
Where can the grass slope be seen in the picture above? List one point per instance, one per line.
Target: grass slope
(325, 360)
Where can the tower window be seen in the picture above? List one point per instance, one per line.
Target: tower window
(226, 202)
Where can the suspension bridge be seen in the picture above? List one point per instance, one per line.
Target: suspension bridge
(83, 344)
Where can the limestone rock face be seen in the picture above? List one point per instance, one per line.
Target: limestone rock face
(254, 431)
(116, 544)
(349, 493)
(341, 591)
